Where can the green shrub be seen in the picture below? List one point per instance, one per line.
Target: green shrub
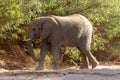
(15, 16)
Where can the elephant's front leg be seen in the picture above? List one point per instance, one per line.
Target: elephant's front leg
(56, 60)
(45, 48)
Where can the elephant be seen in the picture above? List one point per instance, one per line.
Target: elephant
(56, 31)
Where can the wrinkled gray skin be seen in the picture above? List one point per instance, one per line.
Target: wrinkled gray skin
(55, 31)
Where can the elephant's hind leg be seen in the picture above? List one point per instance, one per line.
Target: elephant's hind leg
(85, 62)
(88, 54)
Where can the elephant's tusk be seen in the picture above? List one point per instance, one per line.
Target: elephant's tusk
(27, 39)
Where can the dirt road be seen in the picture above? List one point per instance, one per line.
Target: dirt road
(100, 73)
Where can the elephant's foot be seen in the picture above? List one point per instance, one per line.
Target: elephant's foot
(84, 66)
(94, 64)
(56, 67)
(40, 68)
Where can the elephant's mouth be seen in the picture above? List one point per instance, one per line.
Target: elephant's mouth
(36, 36)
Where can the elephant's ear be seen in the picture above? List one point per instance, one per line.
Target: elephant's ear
(41, 30)
(41, 24)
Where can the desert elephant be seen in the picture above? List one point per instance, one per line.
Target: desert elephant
(56, 31)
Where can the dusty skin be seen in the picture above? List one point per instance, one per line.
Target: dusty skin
(99, 73)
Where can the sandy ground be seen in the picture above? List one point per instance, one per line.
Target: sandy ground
(100, 73)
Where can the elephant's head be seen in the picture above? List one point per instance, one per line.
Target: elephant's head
(41, 27)
(35, 28)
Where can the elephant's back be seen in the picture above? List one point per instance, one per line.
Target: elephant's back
(73, 28)
(75, 21)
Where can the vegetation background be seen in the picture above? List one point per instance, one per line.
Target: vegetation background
(15, 16)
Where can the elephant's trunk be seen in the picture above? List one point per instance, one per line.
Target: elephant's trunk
(29, 43)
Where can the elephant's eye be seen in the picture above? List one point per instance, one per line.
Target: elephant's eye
(34, 29)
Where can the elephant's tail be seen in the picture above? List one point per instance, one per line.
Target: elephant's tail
(93, 39)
